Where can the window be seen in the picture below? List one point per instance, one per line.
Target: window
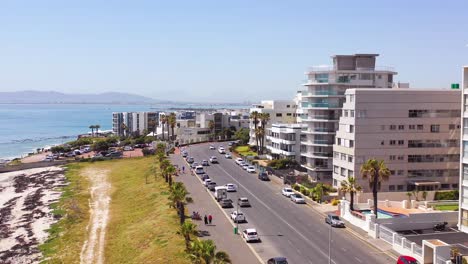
(350, 158)
(412, 127)
(400, 187)
(401, 127)
(351, 143)
(392, 172)
(400, 172)
(392, 127)
(343, 156)
(445, 186)
(401, 157)
(392, 157)
(336, 155)
(392, 142)
(455, 185)
(433, 113)
(379, 76)
(338, 141)
(351, 129)
(435, 128)
(452, 126)
(361, 113)
(351, 113)
(289, 114)
(391, 188)
(420, 127)
(401, 142)
(351, 98)
(345, 113)
(288, 106)
(336, 169)
(350, 173)
(343, 172)
(279, 114)
(382, 142)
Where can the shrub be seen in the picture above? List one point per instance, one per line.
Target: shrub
(296, 187)
(446, 195)
(148, 152)
(335, 202)
(305, 192)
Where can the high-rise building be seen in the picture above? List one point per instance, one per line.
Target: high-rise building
(463, 200)
(126, 123)
(321, 102)
(416, 132)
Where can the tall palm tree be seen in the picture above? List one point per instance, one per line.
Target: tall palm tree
(97, 129)
(170, 170)
(204, 251)
(186, 229)
(92, 127)
(259, 133)
(178, 197)
(172, 121)
(152, 125)
(254, 116)
(350, 186)
(376, 172)
(264, 118)
(125, 129)
(211, 126)
(163, 122)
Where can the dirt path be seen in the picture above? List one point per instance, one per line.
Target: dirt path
(93, 248)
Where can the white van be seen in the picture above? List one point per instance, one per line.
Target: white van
(199, 170)
(220, 193)
(221, 150)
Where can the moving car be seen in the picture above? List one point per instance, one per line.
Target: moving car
(242, 163)
(206, 182)
(228, 156)
(220, 193)
(212, 147)
(238, 217)
(221, 150)
(231, 187)
(226, 203)
(213, 159)
(194, 165)
(204, 177)
(230, 144)
(334, 220)
(205, 163)
(250, 234)
(243, 202)
(407, 260)
(286, 191)
(277, 260)
(263, 176)
(212, 186)
(239, 160)
(245, 166)
(184, 154)
(251, 169)
(297, 198)
(190, 160)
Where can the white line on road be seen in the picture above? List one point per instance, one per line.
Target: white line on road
(279, 217)
(360, 261)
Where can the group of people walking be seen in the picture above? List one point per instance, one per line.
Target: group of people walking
(208, 219)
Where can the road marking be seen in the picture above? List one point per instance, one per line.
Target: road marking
(360, 261)
(278, 216)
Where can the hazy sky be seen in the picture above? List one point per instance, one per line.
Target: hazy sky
(222, 50)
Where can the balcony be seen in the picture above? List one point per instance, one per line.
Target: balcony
(315, 167)
(317, 155)
(320, 105)
(322, 93)
(318, 143)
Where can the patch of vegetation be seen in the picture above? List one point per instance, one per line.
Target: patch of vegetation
(446, 195)
(68, 234)
(279, 164)
(245, 151)
(446, 207)
(242, 135)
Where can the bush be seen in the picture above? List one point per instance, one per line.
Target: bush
(305, 192)
(281, 163)
(148, 152)
(296, 187)
(335, 202)
(446, 195)
(81, 142)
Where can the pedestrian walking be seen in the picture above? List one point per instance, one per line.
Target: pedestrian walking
(206, 220)
(183, 169)
(210, 218)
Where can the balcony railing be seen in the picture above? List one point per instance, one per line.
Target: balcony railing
(325, 105)
(323, 129)
(323, 154)
(329, 92)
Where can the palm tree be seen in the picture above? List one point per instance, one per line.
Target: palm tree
(124, 128)
(350, 186)
(259, 133)
(92, 127)
(169, 171)
(97, 129)
(264, 118)
(204, 251)
(178, 197)
(254, 116)
(186, 229)
(172, 121)
(211, 126)
(163, 122)
(377, 172)
(152, 125)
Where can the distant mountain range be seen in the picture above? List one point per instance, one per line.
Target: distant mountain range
(51, 97)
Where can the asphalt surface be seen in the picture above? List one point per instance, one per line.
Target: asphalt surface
(294, 231)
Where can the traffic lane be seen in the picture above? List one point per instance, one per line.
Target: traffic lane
(315, 227)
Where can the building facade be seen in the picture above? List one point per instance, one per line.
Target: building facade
(321, 103)
(463, 200)
(128, 123)
(415, 132)
(283, 141)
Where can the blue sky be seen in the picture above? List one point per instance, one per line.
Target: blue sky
(222, 51)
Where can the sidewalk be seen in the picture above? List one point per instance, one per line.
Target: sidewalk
(221, 230)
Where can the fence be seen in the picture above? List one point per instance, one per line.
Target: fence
(417, 250)
(386, 234)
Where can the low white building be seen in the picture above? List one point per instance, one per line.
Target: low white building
(284, 140)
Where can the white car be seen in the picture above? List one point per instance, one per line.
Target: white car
(221, 150)
(206, 182)
(199, 170)
(287, 191)
(231, 187)
(127, 148)
(212, 147)
(228, 156)
(250, 234)
(242, 163)
(297, 198)
(238, 217)
(213, 159)
(205, 163)
(239, 160)
(245, 166)
(251, 169)
(194, 165)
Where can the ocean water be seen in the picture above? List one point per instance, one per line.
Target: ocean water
(26, 127)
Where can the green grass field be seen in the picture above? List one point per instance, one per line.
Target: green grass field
(141, 229)
(245, 151)
(449, 207)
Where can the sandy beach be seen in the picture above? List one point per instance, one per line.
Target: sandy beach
(25, 214)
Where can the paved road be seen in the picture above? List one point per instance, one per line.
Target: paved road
(295, 231)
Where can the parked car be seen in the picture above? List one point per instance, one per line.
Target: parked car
(242, 163)
(205, 163)
(245, 166)
(239, 160)
(211, 186)
(184, 154)
(212, 147)
(213, 159)
(243, 202)
(297, 198)
(204, 177)
(251, 169)
(263, 176)
(228, 156)
(48, 159)
(238, 217)
(199, 170)
(190, 160)
(206, 182)
(116, 154)
(230, 144)
(250, 234)
(277, 260)
(407, 260)
(194, 165)
(127, 148)
(334, 220)
(231, 187)
(286, 191)
(226, 203)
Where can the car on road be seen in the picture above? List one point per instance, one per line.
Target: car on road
(184, 154)
(243, 202)
(199, 170)
(231, 187)
(251, 169)
(211, 186)
(277, 260)
(205, 163)
(263, 176)
(286, 191)
(194, 165)
(241, 164)
(407, 260)
(127, 148)
(226, 203)
(213, 159)
(204, 177)
(48, 159)
(221, 150)
(206, 182)
(239, 160)
(212, 147)
(190, 160)
(238, 217)
(250, 234)
(297, 198)
(228, 156)
(334, 220)
(230, 144)
(245, 166)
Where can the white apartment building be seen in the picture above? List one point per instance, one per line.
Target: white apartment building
(280, 111)
(124, 123)
(321, 102)
(415, 131)
(284, 141)
(463, 207)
